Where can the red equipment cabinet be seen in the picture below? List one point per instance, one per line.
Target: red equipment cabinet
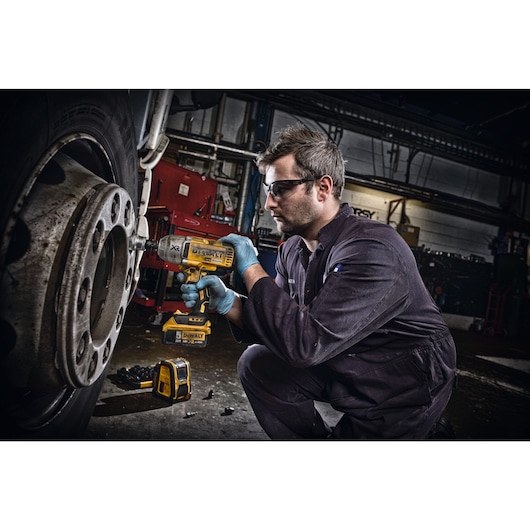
(181, 203)
(179, 189)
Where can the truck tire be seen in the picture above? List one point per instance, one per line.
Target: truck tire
(68, 206)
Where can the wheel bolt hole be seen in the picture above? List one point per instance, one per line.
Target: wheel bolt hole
(81, 348)
(97, 237)
(93, 365)
(127, 214)
(119, 318)
(8, 338)
(115, 208)
(20, 242)
(83, 294)
(106, 351)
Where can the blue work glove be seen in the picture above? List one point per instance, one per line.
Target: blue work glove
(221, 297)
(246, 252)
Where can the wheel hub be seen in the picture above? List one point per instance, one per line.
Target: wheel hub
(75, 262)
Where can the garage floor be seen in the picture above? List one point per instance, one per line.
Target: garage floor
(125, 413)
(491, 402)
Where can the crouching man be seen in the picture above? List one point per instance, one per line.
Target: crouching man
(347, 319)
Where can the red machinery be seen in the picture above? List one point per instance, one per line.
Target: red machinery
(182, 202)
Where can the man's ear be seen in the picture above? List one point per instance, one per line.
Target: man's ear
(325, 186)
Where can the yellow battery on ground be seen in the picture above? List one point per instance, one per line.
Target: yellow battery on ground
(171, 380)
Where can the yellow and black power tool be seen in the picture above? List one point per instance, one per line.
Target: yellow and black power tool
(196, 257)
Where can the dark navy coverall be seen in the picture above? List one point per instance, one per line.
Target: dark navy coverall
(351, 324)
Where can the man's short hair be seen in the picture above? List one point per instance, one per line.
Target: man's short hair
(315, 155)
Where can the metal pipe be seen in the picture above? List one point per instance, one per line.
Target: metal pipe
(245, 180)
(244, 125)
(194, 154)
(162, 104)
(228, 182)
(217, 135)
(412, 153)
(228, 149)
(219, 119)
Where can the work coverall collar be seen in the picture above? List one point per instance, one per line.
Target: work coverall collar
(329, 233)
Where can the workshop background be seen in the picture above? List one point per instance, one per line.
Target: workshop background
(449, 170)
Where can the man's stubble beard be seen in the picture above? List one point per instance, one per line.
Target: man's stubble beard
(306, 214)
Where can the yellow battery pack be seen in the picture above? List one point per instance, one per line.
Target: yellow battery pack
(184, 329)
(171, 380)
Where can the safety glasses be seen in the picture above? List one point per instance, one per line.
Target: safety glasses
(281, 188)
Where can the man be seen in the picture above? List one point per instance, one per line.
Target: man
(347, 319)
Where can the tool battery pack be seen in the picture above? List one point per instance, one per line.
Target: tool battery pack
(184, 329)
(171, 380)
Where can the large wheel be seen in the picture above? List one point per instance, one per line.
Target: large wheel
(68, 204)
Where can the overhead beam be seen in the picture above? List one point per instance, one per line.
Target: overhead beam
(356, 116)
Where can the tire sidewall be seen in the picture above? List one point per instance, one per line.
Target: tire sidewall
(35, 120)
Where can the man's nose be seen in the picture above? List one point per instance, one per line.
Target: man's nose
(270, 202)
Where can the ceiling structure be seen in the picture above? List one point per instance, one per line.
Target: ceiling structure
(497, 118)
(487, 129)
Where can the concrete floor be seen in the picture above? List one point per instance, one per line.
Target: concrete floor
(491, 402)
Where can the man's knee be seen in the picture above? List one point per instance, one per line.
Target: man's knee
(253, 360)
